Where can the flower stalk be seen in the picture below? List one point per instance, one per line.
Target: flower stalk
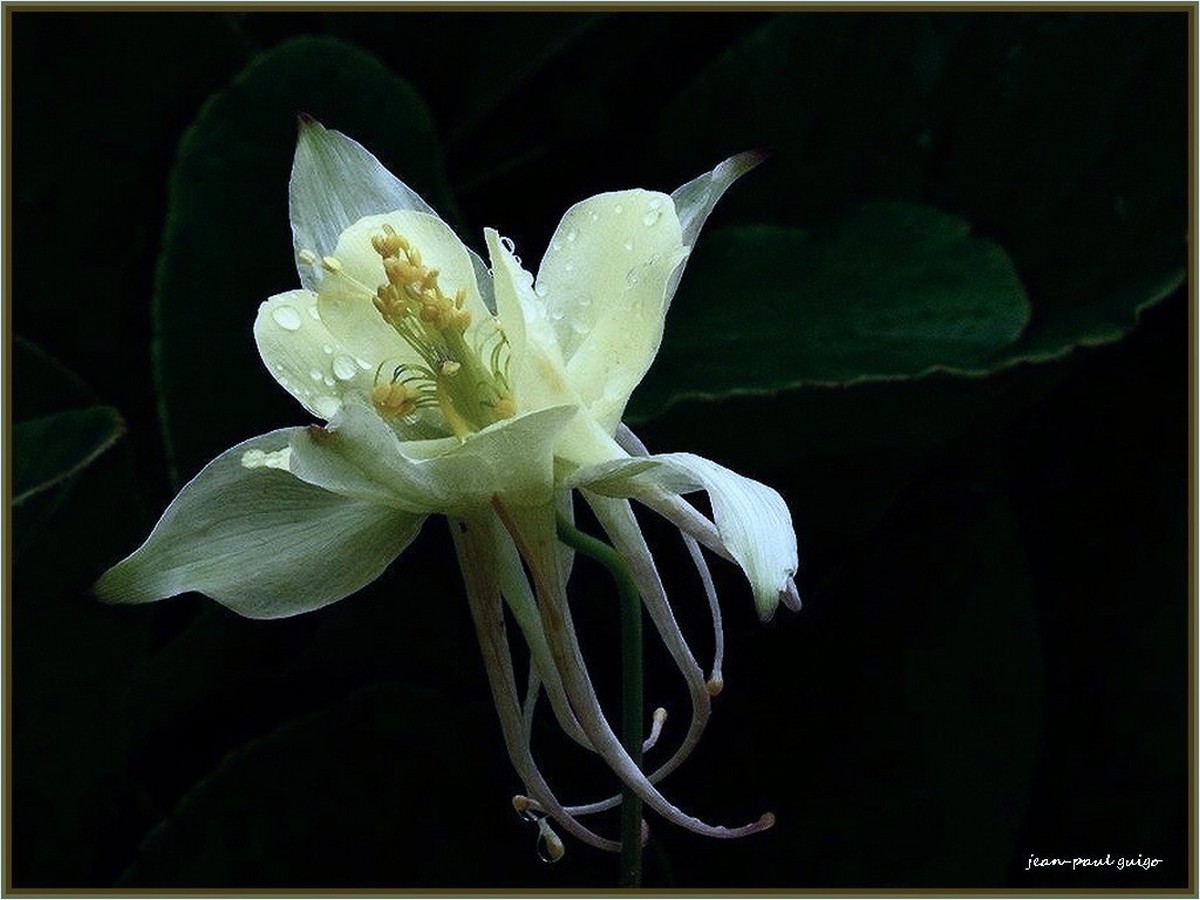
(631, 688)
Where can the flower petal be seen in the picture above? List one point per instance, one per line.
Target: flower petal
(752, 520)
(346, 299)
(259, 540)
(335, 182)
(604, 280)
(360, 456)
(304, 357)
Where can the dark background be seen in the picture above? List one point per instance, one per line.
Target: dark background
(992, 661)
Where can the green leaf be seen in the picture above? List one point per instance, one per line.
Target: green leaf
(1062, 138)
(893, 290)
(49, 450)
(227, 246)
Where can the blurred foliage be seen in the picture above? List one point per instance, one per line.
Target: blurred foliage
(884, 321)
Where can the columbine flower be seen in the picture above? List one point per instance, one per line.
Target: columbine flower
(486, 396)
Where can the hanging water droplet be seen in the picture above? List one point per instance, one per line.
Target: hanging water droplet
(550, 847)
(343, 368)
(326, 406)
(286, 318)
(516, 259)
(508, 244)
(571, 235)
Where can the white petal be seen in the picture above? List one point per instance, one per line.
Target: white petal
(260, 541)
(696, 199)
(604, 280)
(335, 182)
(752, 520)
(360, 456)
(346, 299)
(302, 355)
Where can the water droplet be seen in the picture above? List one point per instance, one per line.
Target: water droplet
(556, 245)
(571, 235)
(633, 277)
(556, 315)
(315, 374)
(326, 406)
(580, 325)
(516, 259)
(595, 216)
(343, 368)
(328, 381)
(628, 245)
(651, 217)
(363, 364)
(654, 204)
(570, 267)
(314, 313)
(508, 244)
(540, 290)
(550, 847)
(286, 318)
(585, 300)
(328, 348)
(618, 208)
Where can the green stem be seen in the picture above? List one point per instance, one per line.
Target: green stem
(632, 727)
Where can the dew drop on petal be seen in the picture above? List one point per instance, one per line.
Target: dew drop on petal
(344, 368)
(364, 365)
(508, 244)
(570, 267)
(595, 216)
(328, 381)
(314, 313)
(556, 245)
(651, 217)
(315, 374)
(580, 326)
(571, 235)
(628, 245)
(326, 407)
(327, 348)
(540, 290)
(286, 318)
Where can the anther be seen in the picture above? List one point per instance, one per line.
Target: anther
(715, 685)
(450, 367)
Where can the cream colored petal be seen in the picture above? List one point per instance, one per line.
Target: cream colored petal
(752, 520)
(335, 182)
(359, 456)
(305, 358)
(259, 540)
(346, 298)
(604, 280)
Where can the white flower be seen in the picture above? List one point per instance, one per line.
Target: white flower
(482, 394)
